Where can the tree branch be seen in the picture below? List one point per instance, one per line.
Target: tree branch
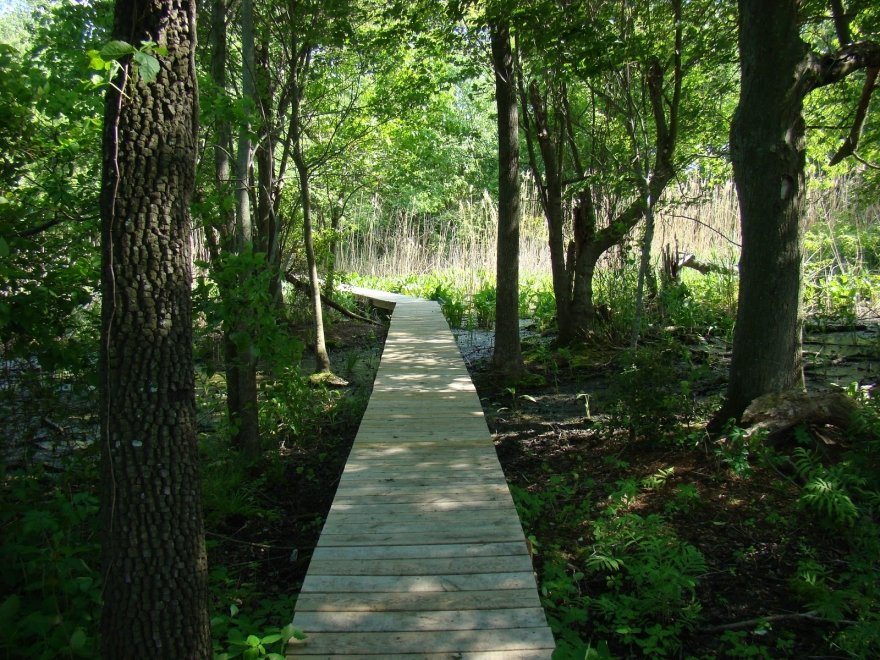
(852, 140)
(827, 69)
(39, 229)
(751, 623)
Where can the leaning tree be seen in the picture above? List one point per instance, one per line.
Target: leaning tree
(155, 567)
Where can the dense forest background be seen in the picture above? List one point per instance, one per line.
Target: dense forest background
(363, 141)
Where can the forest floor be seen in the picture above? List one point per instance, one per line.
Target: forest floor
(577, 429)
(592, 422)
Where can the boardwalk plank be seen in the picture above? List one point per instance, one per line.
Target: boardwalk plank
(413, 551)
(422, 565)
(417, 583)
(445, 620)
(446, 641)
(422, 554)
(431, 601)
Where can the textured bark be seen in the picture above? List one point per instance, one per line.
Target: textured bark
(780, 412)
(767, 145)
(243, 221)
(155, 568)
(507, 356)
(767, 149)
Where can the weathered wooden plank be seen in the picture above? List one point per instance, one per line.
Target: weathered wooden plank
(417, 583)
(495, 487)
(467, 526)
(447, 641)
(467, 535)
(445, 620)
(442, 520)
(431, 601)
(417, 511)
(401, 495)
(520, 654)
(475, 474)
(411, 551)
(449, 523)
(448, 499)
(449, 455)
(421, 565)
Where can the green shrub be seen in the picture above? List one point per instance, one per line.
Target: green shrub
(51, 586)
(650, 577)
(652, 395)
(262, 631)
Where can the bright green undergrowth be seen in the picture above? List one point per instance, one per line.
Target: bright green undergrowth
(699, 303)
(614, 577)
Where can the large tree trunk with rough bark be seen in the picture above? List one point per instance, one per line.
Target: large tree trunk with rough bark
(767, 144)
(155, 568)
(507, 356)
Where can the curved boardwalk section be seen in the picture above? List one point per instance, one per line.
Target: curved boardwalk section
(422, 554)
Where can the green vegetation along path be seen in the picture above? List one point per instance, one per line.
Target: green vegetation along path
(422, 552)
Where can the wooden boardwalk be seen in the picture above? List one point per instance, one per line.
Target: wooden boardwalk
(422, 554)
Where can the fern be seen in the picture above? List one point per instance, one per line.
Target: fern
(830, 500)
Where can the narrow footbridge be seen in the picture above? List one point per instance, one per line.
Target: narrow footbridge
(422, 554)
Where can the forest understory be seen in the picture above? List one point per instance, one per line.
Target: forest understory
(648, 536)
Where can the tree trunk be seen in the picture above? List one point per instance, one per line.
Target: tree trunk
(322, 358)
(335, 221)
(155, 567)
(767, 145)
(551, 199)
(243, 361)
(644, 268)
(582, 266)
(243, 221)
(507, 356)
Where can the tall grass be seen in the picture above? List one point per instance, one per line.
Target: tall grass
(462, 242)
(842, 245)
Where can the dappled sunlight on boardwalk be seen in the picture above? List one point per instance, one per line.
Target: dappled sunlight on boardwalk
(422, 552)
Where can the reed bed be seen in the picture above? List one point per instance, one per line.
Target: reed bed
(693, 218)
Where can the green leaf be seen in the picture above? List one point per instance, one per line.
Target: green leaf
(148, 66)
(78, 639)
(270, 639)
(253, 640)
(114, 50)
(4, 247)
(233, 609)
(9, 609)
(95, 60)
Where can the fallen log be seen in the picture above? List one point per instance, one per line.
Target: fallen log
(781, 412)
(305, 288)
